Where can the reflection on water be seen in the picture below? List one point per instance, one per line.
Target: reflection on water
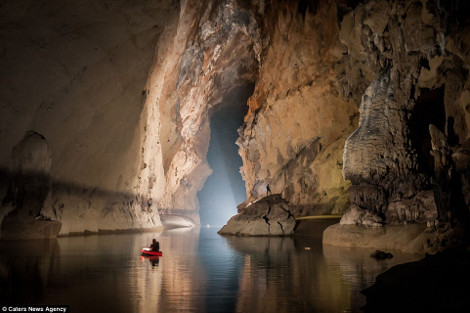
(298, 274)
(199, 272)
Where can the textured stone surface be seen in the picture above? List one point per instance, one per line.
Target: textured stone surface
(124, 91)
(297, 123)
(379, 159)
(402, 159)
(269, 216)
(125, 94)
(389, 157)
(206, 59)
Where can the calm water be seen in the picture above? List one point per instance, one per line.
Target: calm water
(199, 272)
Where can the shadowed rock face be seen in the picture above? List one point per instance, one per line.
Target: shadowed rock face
(425, 280)
(31, 159)
(74, 71)
(403, 158)
(411, 44)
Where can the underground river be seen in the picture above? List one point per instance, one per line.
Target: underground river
(199, 271)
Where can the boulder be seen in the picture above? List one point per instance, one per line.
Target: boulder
(358, 216)
(269, 216)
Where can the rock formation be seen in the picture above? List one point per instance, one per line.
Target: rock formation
(124, 93)
(208, 59)
(27, 191)
(269, 216)
(75, 73)
(413, 125)
(297, 122)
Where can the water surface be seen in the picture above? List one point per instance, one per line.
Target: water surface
(200, 271)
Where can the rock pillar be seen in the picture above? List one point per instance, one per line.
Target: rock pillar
(28, 189)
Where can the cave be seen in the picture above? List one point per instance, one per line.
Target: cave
(151, 95)
(310, 133)
(224, 189)
(429, 109)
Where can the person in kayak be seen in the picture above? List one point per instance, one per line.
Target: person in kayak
(155, 246)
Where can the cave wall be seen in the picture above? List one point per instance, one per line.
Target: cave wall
(297, 122)
(408, 62)
(294, 132)
(74, 72)
(122, 93)
(209, 54)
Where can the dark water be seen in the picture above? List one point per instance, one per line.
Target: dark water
(199, 272)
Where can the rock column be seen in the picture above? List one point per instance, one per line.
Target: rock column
(28, 189)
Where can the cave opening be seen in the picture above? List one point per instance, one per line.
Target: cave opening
(429, 109)
(224, 189)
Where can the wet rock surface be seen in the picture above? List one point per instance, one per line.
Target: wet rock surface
(381, 255)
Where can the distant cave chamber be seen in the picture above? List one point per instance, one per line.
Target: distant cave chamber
(224, 189)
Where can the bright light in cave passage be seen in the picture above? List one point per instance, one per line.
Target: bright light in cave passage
(224, 189)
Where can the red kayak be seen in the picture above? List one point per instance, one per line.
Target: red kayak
(150, 252)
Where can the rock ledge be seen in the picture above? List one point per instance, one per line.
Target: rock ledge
(269, 216)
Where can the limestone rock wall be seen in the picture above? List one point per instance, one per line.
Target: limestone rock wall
(203, 62)
(408, 62)
(74, 72)
(297, 123)
(123, 93)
